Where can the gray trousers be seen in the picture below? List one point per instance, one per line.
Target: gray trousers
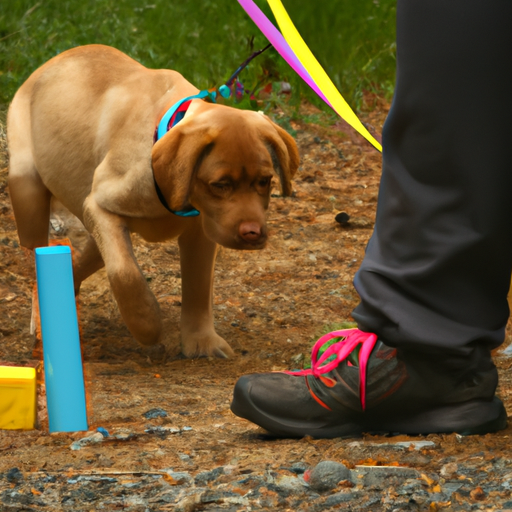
(437, 269)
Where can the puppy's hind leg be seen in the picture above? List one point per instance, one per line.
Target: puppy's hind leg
(30, 201)
(29, 197)
(31, 205)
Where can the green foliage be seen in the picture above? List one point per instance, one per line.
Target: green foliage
(206, 40)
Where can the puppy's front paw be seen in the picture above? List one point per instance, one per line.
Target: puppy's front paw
(206, 345)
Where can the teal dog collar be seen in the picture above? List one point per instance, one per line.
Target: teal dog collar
(171, 118)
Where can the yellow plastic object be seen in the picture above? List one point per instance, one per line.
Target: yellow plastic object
(17, 398)
(316, 72)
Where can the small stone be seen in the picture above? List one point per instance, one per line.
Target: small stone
(8, 297)
(155, 413)
(57, 225)
(97, 437)
(410, 487)
(448, 470)
(125, 436)
(298, 468)
(399, 445)
(208, 476)
(449, 488)
(217, 496)
(341, 497)
(162, 432)
(342, 218)
(326, 475)
(415, 445)
(189, 503)
(14, 475)
(290, 483)
(378, 475)
(179, 477)
(297, 359)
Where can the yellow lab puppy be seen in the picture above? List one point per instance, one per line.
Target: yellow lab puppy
(82, 128)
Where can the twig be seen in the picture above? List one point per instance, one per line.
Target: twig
(97, 473)
(9, 35)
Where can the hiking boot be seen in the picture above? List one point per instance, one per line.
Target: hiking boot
(359, 385)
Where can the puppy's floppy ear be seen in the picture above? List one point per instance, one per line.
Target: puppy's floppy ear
(284, 153)
(175, 159)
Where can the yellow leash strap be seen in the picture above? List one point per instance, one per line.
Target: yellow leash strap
(317, 73)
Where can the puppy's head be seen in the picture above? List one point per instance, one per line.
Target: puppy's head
(221, 161)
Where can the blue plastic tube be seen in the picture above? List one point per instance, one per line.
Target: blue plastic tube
(64, 378)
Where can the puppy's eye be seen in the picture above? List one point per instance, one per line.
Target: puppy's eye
(264, 182)
(221, 186)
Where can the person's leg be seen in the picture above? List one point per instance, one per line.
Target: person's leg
(434, 280)
(437, 269)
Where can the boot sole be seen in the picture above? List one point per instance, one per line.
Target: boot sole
(463, 418)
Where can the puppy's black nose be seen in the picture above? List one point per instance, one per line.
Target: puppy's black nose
(250, 232)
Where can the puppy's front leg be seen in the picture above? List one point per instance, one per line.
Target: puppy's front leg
(197, 257)
(138, 306)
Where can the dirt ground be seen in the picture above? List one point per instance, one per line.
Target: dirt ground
(270, 305)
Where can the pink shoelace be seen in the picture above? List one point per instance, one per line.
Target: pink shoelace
(351, 338)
